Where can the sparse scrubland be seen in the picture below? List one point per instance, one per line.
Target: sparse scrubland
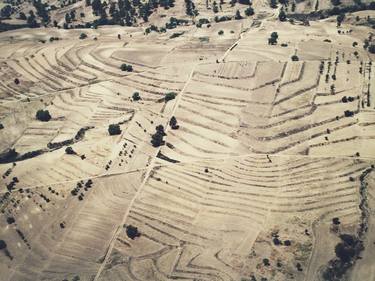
(187, 140)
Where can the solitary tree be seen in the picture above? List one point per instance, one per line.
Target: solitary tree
(69, 150)
(294, 58)
(170, 96)
(173, 123)
(114, 129)
(126, 67)
(273, 39)
(43, 115)
(238, 15)
(132, 232)
(249, 11)
(282, 15)
(3, 245)
(82, 36)
(136, 96)
(157, 138)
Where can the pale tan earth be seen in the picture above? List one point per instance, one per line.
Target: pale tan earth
(263, 148)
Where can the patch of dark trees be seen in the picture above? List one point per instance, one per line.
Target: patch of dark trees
(321, 14)
(77, 191)
(7, 26)
(12, 155)
(348, 250)
(79, 136)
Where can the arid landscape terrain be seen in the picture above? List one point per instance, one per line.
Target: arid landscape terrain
(195, 140)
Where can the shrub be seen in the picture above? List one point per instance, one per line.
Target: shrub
(136, 96)
(371, 48)
(238, 15)
(273, 38)
(249, 12)
(69, 150)
(170, 96)
(203, 21)
(126, 67)
(276, 241)
(1, 126)
(221, 32)
(43, 115)
(157, 138)
(282, 16)
(22, 16)
(114, 129)
(16, 81)
(82, 36)
(3, 245)
(173, 123)
(176, 34)
(295, 58)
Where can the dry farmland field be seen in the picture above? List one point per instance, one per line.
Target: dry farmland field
(187, 140)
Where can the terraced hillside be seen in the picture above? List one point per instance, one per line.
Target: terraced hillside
(205, 152)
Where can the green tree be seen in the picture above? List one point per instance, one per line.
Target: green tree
(294, 58)
(282, 15)
(238, 15)
(43, 115)
(249, 11)
(126, 67)
(6, 11)
(136, 96)
(173, 123)
(114, 129)
(273, 38)
(170, 96)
